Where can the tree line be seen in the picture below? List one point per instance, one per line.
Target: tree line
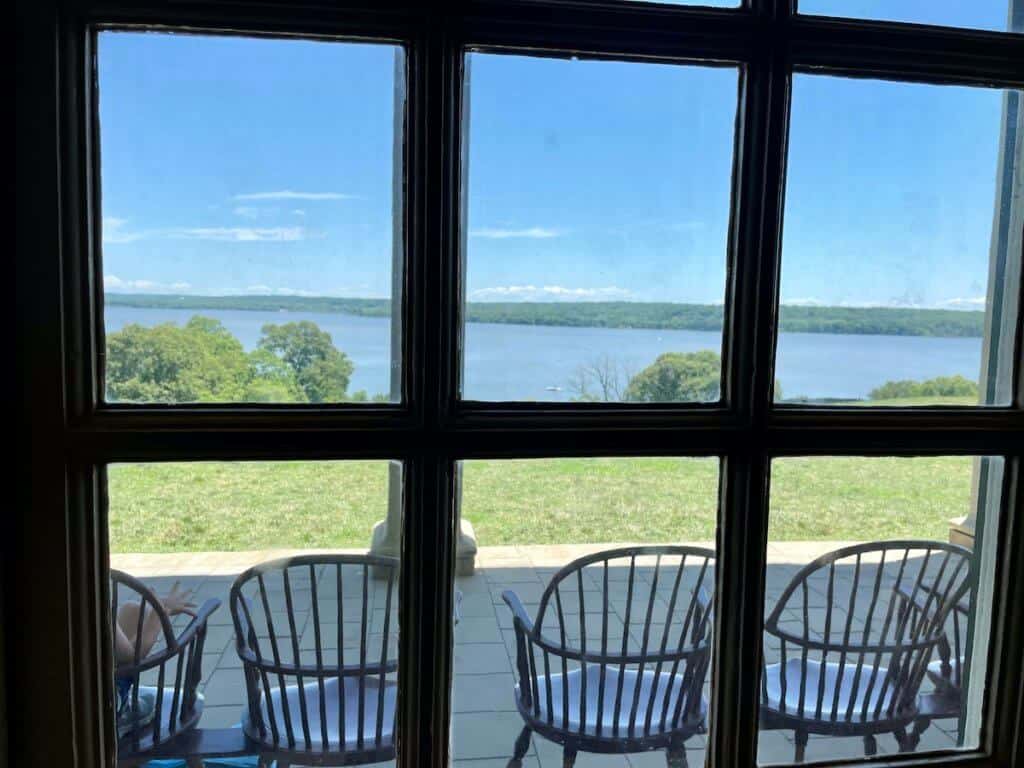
(297, 362)
(202, 362)
(885, 321)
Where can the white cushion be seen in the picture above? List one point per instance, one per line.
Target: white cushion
(667, 685)
(331, 707)
(146, 732)
(773, 685)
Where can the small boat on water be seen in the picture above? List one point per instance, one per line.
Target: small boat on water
(553, 388)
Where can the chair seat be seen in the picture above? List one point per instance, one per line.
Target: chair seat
(668, 686)
(332, 707)
(844, 681)
(147, 731)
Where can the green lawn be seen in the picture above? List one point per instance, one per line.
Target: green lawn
(911, 401)
(245, 505)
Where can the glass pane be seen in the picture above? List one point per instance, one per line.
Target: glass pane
(878, 603)
(252, 246)
(596, 229)
(998, 15)
(321, 595)
(902, 244)
(613, 558)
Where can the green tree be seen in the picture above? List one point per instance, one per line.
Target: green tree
(272, 380)
(198, 362)
(321, 370)
(940, 386)
(678, 376)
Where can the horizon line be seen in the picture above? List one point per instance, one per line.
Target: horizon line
(555, 302)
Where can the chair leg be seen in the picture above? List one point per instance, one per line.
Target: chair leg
(870, 745)
(569, 757)
(800, 737)
(675, 756)
(907, 742)
(519, 750)
(921, 725)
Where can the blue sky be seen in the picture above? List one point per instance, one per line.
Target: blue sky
(233, 166)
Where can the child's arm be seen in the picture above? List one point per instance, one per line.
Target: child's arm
(126, 626)
(176, 601)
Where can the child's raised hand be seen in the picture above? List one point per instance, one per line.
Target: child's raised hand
(177, 601)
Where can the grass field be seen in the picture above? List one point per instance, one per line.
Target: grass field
(247, 506)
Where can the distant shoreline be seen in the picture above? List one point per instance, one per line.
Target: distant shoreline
(883, 321)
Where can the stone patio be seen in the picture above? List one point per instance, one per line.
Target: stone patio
(485, 721)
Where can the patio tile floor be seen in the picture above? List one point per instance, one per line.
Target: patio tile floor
(484, 721)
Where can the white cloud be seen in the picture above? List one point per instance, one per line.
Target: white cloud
(246, 212)
(533, 233)
(239, 234)
(115, 283)
(288, 194)
(298, 212)
(549, 293)
(114, 231)
(266, 290)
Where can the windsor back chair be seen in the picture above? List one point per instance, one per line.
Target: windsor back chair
(174, 664)
(854, 632)
(618, 655)
(317, 636)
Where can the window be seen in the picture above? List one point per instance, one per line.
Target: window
(611, 557)
(478, 425)
(887, 269)
(249, 244)
(596, 229)
(849, 608)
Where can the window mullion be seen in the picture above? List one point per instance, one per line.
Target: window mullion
(736, 668)
(758, 189)
(428, 531)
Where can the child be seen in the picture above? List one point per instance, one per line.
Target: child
(174, 602)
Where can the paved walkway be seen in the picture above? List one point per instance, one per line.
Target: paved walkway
(485, 721)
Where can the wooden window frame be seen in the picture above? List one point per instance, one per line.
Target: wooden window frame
(60, 665)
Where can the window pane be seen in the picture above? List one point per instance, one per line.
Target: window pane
(596, 229)
(251, 219)
(878, 604)
(645, 530)
(184, 533)
(902, 244)
(998, 15)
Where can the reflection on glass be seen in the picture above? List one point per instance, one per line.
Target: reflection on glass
(235, 586)
(997, 15)
(877, 605)
(585, 630)
(902, 242)
(597, 211)
(250, 245)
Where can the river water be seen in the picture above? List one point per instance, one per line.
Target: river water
(528, 362)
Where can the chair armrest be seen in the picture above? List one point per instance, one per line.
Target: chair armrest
(198, 621)
(518, 611)
(523, 625)
(702, 619)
